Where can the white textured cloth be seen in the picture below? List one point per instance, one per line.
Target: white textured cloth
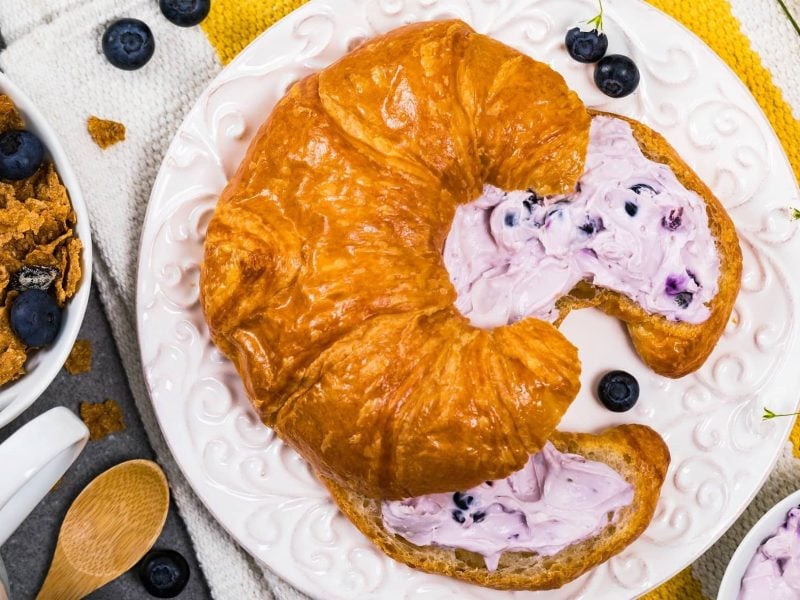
(54, 55)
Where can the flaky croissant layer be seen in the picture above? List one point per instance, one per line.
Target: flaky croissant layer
(323, 278)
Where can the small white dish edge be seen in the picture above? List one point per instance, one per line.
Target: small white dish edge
(764, 528)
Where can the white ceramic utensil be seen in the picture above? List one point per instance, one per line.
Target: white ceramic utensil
(32, 460)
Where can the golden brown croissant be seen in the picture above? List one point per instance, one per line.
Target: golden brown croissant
(636, 452)
(670, 348)
(323, 279)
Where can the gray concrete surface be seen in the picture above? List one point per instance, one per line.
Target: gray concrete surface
(28, 552)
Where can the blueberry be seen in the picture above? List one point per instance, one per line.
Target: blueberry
(586, 46)
(458, 516)
(673, 220)
(592, 226)
(616, 75)
(675, 285)
(33, 278)
(21, 155)
(534, 198)
(631, 209)
(637, 188)
(684, 299)
(511, 219)
(462, 501)
(164, 573)
(35, 318)
(618, 391)
(128, 44)
(185, 13)
(478, 516)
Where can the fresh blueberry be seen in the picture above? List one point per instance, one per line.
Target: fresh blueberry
(673, 220)
(478, 516)
(164, 573)
(592, 225)
(684, 299)
(185, 13)
(586, 46)
(631, 208)
(616, 75)
(511, 219)
(33, 278)
(458, 516)
(637, 188)
(128, 44)
(675, 285)
(35, 318)
(618, 391)
(462, 500)
(21, 155)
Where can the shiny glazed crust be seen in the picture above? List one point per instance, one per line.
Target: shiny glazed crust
(323, 278)
(669, 348)
(637, 452)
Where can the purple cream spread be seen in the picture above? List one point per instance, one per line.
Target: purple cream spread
(554, 501)
(774, 572)
(630, 227)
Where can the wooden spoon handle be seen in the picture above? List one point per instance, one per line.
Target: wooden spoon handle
(65, 583)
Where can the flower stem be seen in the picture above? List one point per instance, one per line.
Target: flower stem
(768, 414)
(792, 20)
(597, 20)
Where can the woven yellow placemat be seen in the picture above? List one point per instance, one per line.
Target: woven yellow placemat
(233, 24)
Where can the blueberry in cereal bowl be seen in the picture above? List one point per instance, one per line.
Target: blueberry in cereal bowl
(44, 254)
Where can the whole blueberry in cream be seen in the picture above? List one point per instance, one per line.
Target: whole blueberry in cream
(630, 227)
(554, 501)
(774, 571)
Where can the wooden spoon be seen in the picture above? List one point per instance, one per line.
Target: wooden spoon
(107, 530)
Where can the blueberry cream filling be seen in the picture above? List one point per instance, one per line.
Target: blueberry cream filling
(554, 501)
(774, 571)
(630, 226)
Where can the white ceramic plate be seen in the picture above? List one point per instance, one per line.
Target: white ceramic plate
(263, 493)
(764, 528)
(43, 365)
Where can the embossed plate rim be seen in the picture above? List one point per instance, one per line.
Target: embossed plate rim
(221, 501)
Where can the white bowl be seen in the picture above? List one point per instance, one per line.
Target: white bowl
(764, 528)
(43, 365)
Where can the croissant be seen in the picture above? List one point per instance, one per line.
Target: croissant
(323, 278)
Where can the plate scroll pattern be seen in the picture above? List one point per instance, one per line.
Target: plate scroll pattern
(262, 492)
